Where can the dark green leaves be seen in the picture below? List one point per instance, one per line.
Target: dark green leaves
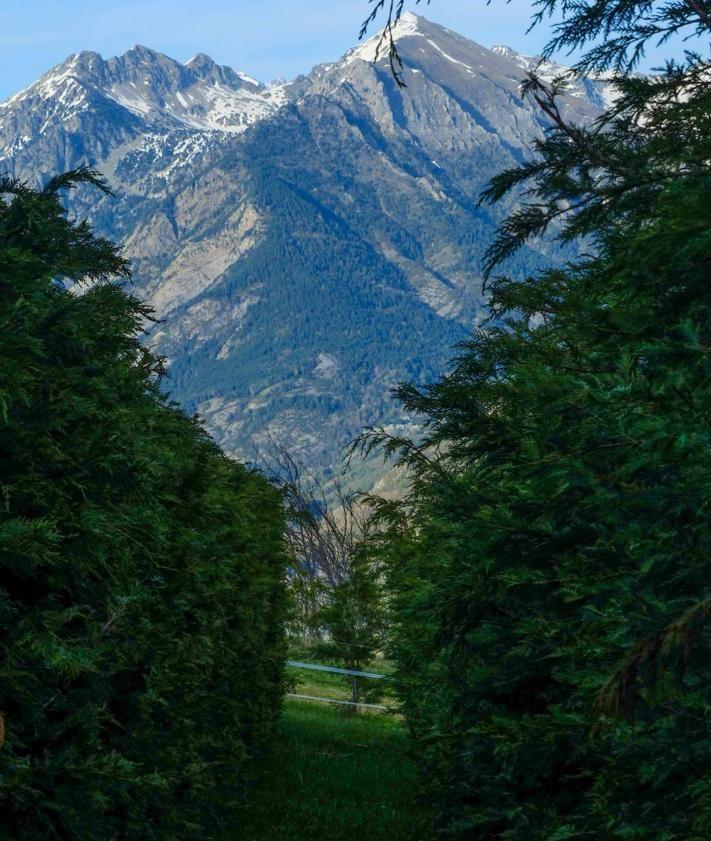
(141, 599)
(550, 567)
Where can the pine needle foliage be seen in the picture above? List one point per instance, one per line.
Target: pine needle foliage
(550, 567)
(141, 571)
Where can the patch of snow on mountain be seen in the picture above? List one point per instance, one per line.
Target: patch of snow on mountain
(249, 79)
(596, 87)
(407, 26)
(205, 106)
(233, 110)
(450, 58)
(131, 100)
(276, 93)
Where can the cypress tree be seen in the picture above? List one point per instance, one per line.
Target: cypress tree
(141, 602)
(551, 563)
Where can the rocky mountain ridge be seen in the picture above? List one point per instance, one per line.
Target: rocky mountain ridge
(307, 245)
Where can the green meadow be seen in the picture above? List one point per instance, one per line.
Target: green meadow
(334, 774)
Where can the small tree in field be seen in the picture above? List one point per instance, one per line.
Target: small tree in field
(335, 581)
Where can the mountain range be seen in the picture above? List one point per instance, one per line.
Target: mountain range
(308, 244)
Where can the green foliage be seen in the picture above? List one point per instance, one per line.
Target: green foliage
(352, 613)
(141, 599)
(351, 621)
(551, 564)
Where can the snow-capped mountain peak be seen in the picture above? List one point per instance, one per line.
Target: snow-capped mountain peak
(408, 26)
(155, 88)
(596, 88)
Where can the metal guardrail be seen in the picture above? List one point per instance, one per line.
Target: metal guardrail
(318, 668)
(352, 673)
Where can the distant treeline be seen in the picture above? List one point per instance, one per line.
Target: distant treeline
(141, 571)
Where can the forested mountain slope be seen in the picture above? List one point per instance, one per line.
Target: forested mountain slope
(306, 245)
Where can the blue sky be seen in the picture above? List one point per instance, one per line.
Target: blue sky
(265, 38)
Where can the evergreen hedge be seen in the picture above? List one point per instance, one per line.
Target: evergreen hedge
(551, 566)
(141, 571)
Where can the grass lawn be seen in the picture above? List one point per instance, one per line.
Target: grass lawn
(335, 777)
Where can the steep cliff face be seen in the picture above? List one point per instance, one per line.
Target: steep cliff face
(306, 245)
